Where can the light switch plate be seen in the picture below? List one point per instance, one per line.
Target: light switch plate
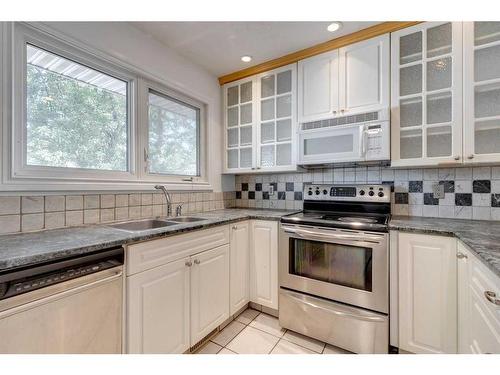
(438, 191)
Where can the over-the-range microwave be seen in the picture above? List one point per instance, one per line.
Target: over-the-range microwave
(357, 139)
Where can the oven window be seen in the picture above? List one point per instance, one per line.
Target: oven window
(345, 265)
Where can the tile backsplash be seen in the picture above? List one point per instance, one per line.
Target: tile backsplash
(31, 213)
(469, 193)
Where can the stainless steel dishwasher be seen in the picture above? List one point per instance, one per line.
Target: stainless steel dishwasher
(68, 306)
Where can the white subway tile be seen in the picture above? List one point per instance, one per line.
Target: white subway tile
(55, 220)
(74, 218)
(74, 202)
(32, 204)
(31, 222)
(90, 202)
(10, 224)
(54, 203)
(10, 205)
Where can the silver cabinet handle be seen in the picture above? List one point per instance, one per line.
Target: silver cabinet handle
(471, 156)
(334, 112)
(342, 110)
(188, 263)
(461, 256)
(457, 157)
(197, 261)
(234, 227)
(491, 296)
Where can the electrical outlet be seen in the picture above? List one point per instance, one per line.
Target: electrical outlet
(438, 190)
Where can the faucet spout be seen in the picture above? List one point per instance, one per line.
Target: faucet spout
(167, 197)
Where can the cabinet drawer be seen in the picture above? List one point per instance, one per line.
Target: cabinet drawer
(481, 281)
(146, 255)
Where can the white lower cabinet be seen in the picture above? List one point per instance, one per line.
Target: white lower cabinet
(239, 254)
(158, 309)
(209, 291)
(479, 316)
(181, 288)
(427, 293)
(264, 263)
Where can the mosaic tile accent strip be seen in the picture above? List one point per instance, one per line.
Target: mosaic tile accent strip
(470, 193)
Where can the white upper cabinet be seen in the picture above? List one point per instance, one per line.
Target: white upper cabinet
(261, 122)
(364, 76)
(240, 117)
(426, 95)
(482, 92)
(351, 80)
(277, 129)
(318, 87)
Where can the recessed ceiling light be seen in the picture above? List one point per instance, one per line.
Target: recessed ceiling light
(246, 58)
(334, 26)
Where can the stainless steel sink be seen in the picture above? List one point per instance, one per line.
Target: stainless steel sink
(186, 219)
(139, 225)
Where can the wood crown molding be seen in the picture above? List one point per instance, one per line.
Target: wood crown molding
(370, 32)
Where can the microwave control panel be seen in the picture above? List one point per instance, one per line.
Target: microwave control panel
(377, 141)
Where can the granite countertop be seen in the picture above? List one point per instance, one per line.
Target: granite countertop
(482, 237)
(24, 249)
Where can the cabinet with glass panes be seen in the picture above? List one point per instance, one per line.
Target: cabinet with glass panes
(260, 115)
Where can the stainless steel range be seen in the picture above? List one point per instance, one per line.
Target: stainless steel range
(334, 267)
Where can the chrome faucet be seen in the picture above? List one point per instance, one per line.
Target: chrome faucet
(167, 197)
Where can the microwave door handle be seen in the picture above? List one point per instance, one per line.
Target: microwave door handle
(329, 236)
(363, 141)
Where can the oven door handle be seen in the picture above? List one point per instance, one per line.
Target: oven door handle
(329, 236)
(311, 303)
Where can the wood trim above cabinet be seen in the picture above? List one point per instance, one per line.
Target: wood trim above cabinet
(370, 32)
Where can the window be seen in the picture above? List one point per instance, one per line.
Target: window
(76, 117)
(83, 120)
(173, 136)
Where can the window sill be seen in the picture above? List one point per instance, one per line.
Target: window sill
(73, 186)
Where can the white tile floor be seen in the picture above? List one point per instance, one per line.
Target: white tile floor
(253, 332)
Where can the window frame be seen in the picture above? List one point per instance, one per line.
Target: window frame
(17, 176)
(145, 86)
(20, 169)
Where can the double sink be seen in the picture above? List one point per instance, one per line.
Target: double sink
(140, 225)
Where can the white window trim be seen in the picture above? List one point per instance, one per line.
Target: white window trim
(143, 98)
(16, 177)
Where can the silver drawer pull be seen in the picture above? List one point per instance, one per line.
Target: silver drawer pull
(491, 296)
(197, 261)
(188, 263)
(461, 256)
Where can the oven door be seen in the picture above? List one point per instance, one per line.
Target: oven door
(341, 265)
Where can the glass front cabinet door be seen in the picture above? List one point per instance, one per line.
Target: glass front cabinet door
(240, 113)
(261, 123)
(426, 95)
(481, 92)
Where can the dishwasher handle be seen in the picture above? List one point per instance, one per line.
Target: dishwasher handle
(45, 295)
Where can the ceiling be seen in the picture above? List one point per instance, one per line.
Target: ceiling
(218, 46)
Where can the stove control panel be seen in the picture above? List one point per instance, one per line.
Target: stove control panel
(354, 193)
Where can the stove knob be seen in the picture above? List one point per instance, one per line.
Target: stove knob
(309, 192)
(317, 192)
(380, 194)
(361, 192)
(371, 193)
(325, 192)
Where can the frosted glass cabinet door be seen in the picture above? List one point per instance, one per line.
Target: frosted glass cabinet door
(240, 115)
(277, 119)
(482, 91)
(426, 94)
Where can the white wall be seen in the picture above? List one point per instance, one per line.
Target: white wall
(124, 42)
